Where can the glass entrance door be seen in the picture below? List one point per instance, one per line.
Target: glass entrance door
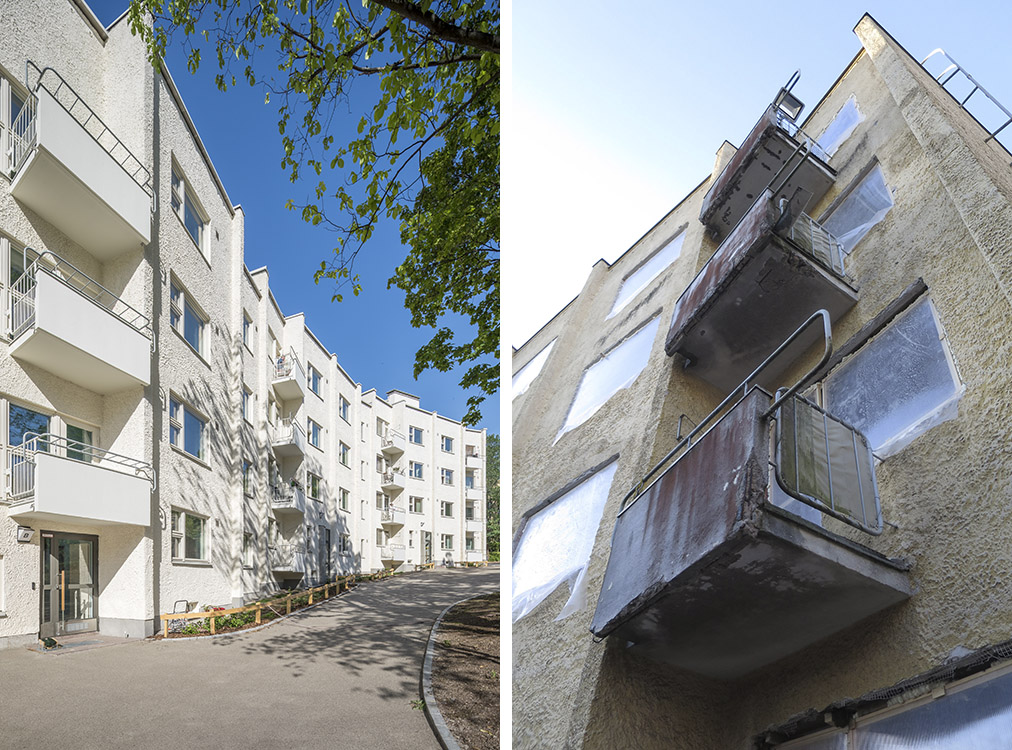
(426, 547)
(69, 593)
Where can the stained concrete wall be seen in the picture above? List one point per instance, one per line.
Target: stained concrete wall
(947, 491)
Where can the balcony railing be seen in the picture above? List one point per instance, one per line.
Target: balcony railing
(288, 437)
(393, 442)
(817, 242)
(393, 516)
(393, 479)
(392, 552)
(288, 498)
(288, 557)
(23, 134)
(289, 376)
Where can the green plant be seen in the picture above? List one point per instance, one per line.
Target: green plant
(418, 704)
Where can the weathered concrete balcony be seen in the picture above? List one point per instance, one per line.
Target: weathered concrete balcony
(288, 560)
(393, 553)
(764, 280)
(287, 438)
(75, 173)
(393, 481)
(775, 150)
(288, 500)
(472, 461)
(394, 444)
(707, 574)
(56, 480)
(289, 377)
(393, 516)
(70, 325)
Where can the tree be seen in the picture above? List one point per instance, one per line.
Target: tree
(426, 151)
(492, 530)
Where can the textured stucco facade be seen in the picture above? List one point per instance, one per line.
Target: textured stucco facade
(944, 493)
(233, 482)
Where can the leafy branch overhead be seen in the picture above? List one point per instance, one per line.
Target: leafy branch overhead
(424, 154)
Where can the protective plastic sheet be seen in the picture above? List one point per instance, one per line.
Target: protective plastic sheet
(840, 129)
(836, 740)
(614, 371)
(523, 379)
(901, 380)
(866, 206)
(641, 278)
(556, 545)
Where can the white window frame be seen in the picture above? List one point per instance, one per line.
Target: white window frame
(182, 306)
(314, 433)
(178, 518)
(446, 542)
(445, 509)
(412, 500)
(446, 443)
(247, 395)
(446, 476)
(247, 550)
(247, 484)
(344, 544)
(247, 326)
(343, 500)
(313, 480)
(412, 466)
(178, 408)
(315, 380)
(344, 409)
(412, 432)
(183, 197)
(344, 454)
(7, 87)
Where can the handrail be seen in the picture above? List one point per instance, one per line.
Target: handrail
(389, 435)
(33, 443)
(284, 365)
(65, 272)
(705, 423)
(388, 476)
(23, 134)
(286, 429)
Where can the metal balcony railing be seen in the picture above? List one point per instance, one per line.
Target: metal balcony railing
(22, 313)
(287, 364)
(792, 129)
(814, 240)
(390, 477)
(22, 464)
(392, 514)
(25, 130)
(287, 431)
(286, 556)
(388, 438)
(392, 552)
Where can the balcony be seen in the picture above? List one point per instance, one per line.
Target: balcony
(472, 461)
(473, 555)
(473, 523)
(288, 438)
(762, 282)
(394, 444)
(70, 325)
(287, 560)
(75, 173)
(473, 493)
(708, 574)
(775, 152)
(393, 481)
(56, 480)
(289, 378)
(393, 553)
(288, 500)
(393, 516)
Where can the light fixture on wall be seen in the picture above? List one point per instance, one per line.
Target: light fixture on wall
(25, 533)
(786, 102)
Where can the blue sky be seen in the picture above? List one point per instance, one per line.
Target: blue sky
(371, 334)
(619, 109)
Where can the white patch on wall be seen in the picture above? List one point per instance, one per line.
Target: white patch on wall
(842, 126)
(556, 546)
(864, 207)
(641, 278)
(614, 371)
(526, 375)
(900, 384)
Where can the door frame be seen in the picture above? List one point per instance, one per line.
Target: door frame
(55, 535)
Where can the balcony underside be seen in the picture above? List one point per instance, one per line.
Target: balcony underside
(749, 297)
(288, 388)
(287, 448)
(706, 575)
(55, 355)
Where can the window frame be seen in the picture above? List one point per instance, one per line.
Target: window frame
(446, 542)
(412, 430)
(343, 500)
(247, 488)
(179, 424)
(181, 307)
(411, 504)
(412, 465)
(314, 433)
(182, 197)
(314, 377)
(446, 476)
(344, 454)
(313, 483)
(180, 535)
(344, 409)
(445, 440)
(446, 509)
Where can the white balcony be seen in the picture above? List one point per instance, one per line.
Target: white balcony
(473, 493)
(393, 516)
(71, 170)
(473, 555)
(288, 500)
(393, 553)
(393, 482)
(287, 560)
(289, 378)
(288, 439)
(70, 325)
(473, 462)
(473, 523)
(56, 480)
(394, 444)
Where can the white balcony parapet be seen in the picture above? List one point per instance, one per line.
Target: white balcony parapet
(288, 558)
(71, 169)
(393, 480)
(473, 555)
(54, 478)
(473, 461)
(473, 493)
(289, 377)
(394, 443)
(288, 499)
(392, 552)
(288, 438)
(393, 516)
(62, 320)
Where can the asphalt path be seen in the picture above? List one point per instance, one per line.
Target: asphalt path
(341, 675)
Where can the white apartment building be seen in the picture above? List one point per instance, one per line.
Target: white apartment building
(172, 439)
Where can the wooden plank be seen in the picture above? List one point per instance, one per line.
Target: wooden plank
(165, 633)
(260, 608)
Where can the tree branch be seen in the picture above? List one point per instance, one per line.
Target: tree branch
(442, 29)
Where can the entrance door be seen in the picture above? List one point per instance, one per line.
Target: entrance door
(426, 546)
(69, 576)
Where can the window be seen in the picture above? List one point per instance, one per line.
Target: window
(344, 544)
(447, 444)
(313, 485)
(415, 435)
(363, 470)
(469, 541)
(247, 550)
(528, 373)
(247, 480)
(411, 539)
(556, 542)
(247, 324)
(446, 476)
(313, 430)
(363, 431)
(470, 511)
(186, 429)
(12, 129)
(446, 541)
(649, 270)
(414, 469)
(864, 207)
(246, 394)
(415, 504)
(841, 127)
(188, 540)
(79, 443)
(343, 454)
(23, 420)
(344, 409)
(381, 538)
(361, 507)
(186, 319)
(187, 208)
(382, 501)
(446, 509)
(315, 381)
(343, 499)
(616, 370)
(379, 465)
(469, 480)
(899, 384)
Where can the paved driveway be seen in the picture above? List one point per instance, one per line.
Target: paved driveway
(342, 675)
